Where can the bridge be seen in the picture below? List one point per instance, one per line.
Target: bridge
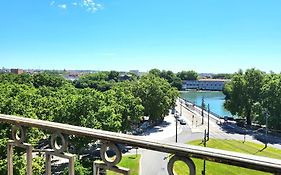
(109, 140)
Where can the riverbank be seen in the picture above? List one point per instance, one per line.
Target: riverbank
(215, 100)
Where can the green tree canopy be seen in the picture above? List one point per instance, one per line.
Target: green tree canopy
(243, 93)
(169, 76)
(188, 75)
(157, 96)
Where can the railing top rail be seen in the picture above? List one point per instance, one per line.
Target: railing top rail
(215, 155)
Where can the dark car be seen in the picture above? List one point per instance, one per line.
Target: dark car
(182, 122)
(173, 111)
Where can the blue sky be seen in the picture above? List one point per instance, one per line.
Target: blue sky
(203, 35)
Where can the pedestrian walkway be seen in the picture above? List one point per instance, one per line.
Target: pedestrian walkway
(194, 120)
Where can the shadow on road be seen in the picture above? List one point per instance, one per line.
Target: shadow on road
(256, 133)
(156, 129)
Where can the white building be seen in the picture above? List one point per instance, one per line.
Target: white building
(205, 84)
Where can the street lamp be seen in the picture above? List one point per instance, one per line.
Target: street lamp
(203, 106)
(266, 126)
(208, 134)
(181, 108)
(176, 117)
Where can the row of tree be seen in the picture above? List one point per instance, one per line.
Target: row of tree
(253, 94)
(104, 80)
(175, 80)
(46, 96)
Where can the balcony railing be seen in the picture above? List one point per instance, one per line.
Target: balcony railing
(110, 140)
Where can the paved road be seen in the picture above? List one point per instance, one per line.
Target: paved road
(153, 162)
(156, 163)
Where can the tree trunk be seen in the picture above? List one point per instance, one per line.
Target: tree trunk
(248, 118)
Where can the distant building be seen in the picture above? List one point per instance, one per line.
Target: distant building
(17, 71)
(125, 77)
(136, 72)
(205, 84)
(4, 70)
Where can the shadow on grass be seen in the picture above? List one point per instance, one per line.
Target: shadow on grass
(261, 150)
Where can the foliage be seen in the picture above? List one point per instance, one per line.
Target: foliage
(188, 75)
(271, 101)
(101, 81)
(46, 79)
(157, 96)
(243, 93)
(253, 95)
(113, 105)
(79, 169)
(169, 76)
(222, 76)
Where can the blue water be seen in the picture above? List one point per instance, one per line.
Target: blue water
(213, 98)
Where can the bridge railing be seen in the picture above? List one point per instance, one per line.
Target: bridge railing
(110, 140)
(199, 108)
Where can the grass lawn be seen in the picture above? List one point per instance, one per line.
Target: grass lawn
(131, 162)
(230, 145)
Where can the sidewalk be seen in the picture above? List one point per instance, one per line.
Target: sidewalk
(194, 119)
(223, 131)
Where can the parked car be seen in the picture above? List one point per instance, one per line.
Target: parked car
(173, 111)
(182, 122)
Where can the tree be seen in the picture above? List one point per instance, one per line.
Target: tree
(45, 79)
(113, 75)
(50, 97)
(188, 75)
(169, 76)
(177, 83)
(243, 93)
(222, 76)
(157, 96)
(155, 72)
(271, 93)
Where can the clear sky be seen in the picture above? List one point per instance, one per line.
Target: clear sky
(203, 35)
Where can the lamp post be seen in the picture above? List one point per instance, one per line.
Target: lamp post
(208, 134)
(181, 108)
(176, 129)
(203, 106)
(266, 127)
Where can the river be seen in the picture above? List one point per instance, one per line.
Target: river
(214, 98)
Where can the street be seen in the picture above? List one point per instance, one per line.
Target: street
(155, 163)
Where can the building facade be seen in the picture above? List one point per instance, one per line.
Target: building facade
(205, 84)
(17, 71)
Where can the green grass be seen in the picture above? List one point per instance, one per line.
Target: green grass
(230, 145)
(131, 162)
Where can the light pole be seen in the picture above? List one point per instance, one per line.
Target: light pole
(203, 106)
(208, 134)
(181, 108)
(266, 127)
(176, 129)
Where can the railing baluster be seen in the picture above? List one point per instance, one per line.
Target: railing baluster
(71, 166)
(10, 153)
(29, 159)
(48, 166)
